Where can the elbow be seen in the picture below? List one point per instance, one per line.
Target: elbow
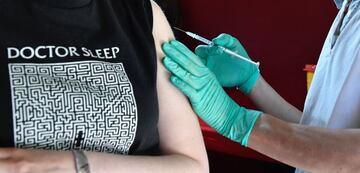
(204, 166)
(201, 166)
(196, 165)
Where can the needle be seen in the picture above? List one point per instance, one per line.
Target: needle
(208, 42)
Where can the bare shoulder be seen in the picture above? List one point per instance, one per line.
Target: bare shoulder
(161, 29)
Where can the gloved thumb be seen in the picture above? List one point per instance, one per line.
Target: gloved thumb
(203, 51)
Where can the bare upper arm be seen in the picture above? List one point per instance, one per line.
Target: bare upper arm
(178, 125)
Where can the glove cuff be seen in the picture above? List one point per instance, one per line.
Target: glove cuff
(252, 117)
(239, 129)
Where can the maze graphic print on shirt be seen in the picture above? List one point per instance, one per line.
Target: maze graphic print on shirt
(87, 105)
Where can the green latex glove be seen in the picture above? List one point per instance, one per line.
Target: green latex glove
(206, 95)
(230, 71)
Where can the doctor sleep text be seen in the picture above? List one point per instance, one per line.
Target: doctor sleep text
(44, 52)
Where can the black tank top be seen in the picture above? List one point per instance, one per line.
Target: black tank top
(78, 74)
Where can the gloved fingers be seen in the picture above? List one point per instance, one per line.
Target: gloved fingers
(204, 51)
(211, 85)
(181, 73)
(183, 60)
(184, 87)
(183, 49)
(226, 41)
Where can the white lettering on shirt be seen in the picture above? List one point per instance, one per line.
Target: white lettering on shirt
(43, 52)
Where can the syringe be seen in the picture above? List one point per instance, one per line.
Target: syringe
(208, 42)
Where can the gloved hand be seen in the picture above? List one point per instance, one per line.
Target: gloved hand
(230, 71)
(206, 95)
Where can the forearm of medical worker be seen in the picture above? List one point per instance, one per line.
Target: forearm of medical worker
(269, 101)
(310, 148)
(42, 161)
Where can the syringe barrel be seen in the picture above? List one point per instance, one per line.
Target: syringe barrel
(202, 39)
(208, 42)
(238, 56)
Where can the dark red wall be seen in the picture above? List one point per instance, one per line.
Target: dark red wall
(283, 35)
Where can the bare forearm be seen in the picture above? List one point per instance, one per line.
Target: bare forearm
(48, 161)
(269, 101)
(105, 163)
(313, 149)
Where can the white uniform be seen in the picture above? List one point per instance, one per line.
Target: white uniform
(333, 100)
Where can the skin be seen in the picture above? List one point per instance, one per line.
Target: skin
(180, 136)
